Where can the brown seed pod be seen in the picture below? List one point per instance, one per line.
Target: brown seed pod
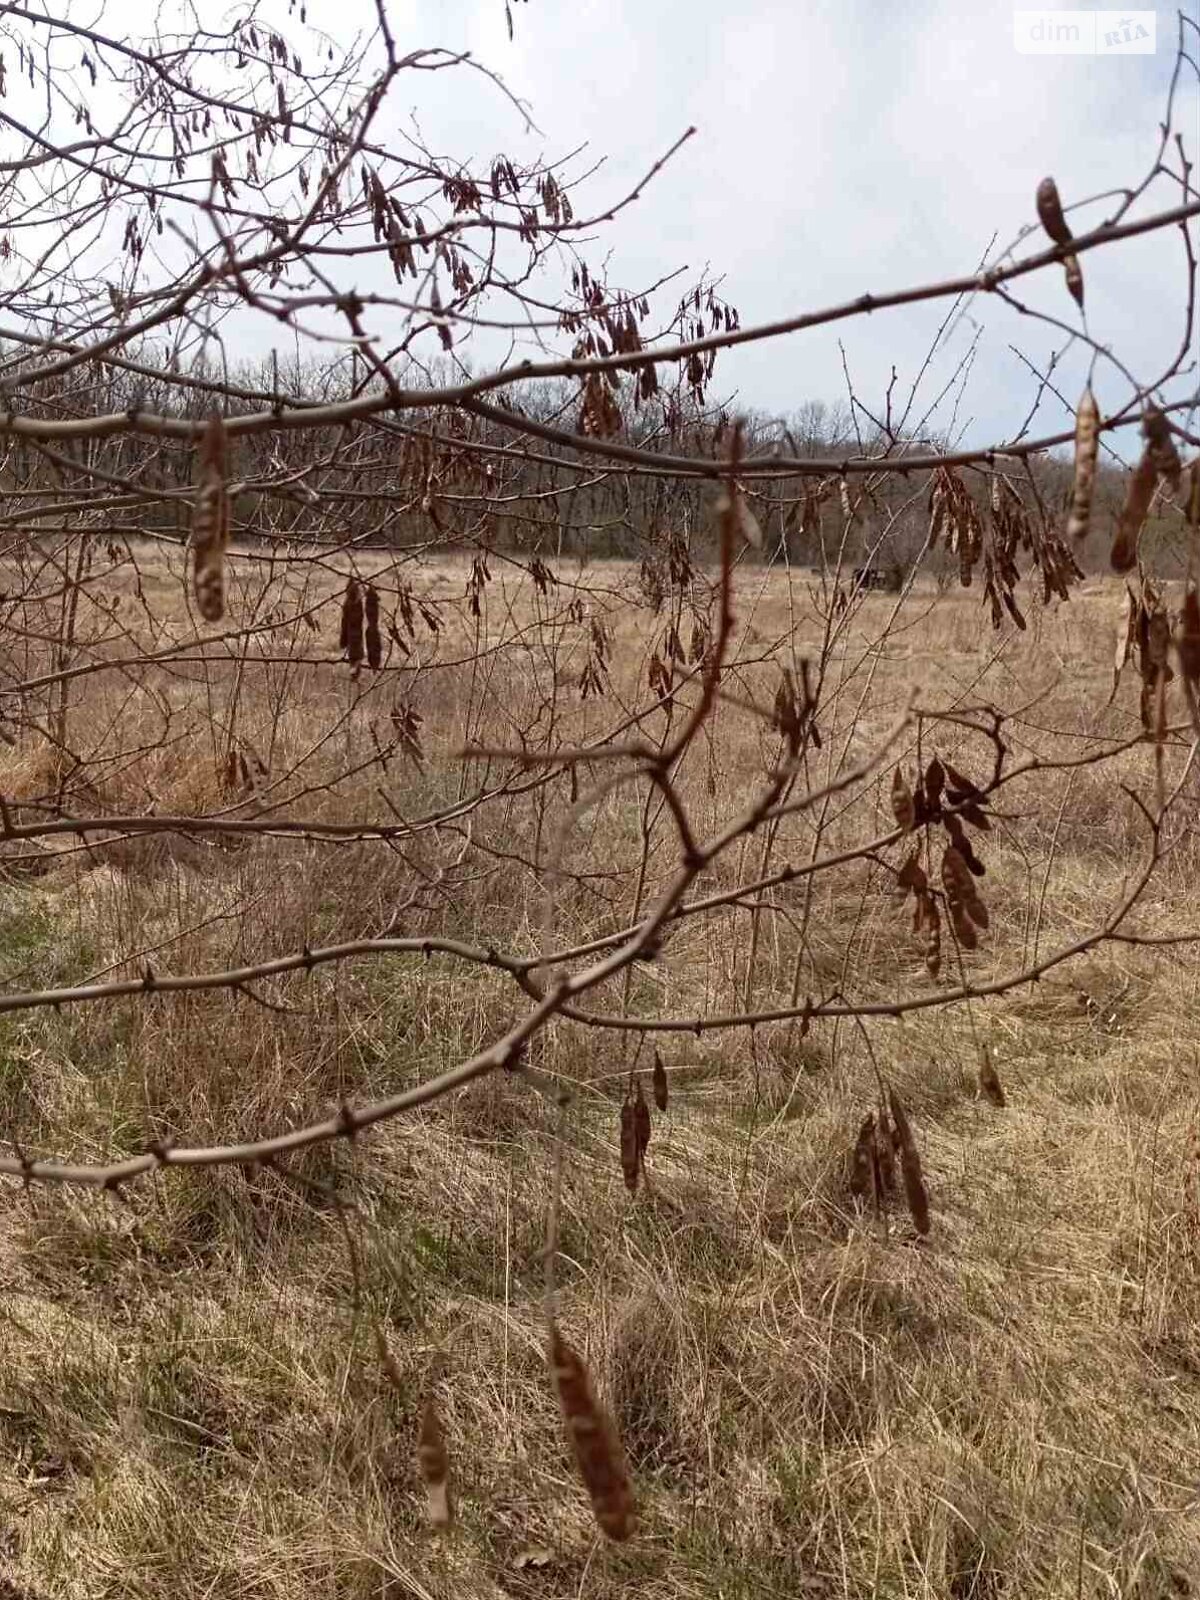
(210, 523)
(964, 787)
(658, 1080)
(863, 1160)
(885, 1151)
(599, 416)
(971, 813)
(935, 780)
(1193, 499)
(902, 802)
(912, 874)
(1050, 212)
(1187, 637)
(387, 1361)
(962, 900)
(434, 1465)
(1138, 496)
(989, 1079)
(738, 517)
(641, 1123)
(910, 1166)
(350, 640)
(747, 523)
(1161, 446)
(964, 929)
(1074, 276)
(631, 1161)
(966, 850)
(1087, 444)
(1146, 705)
(593, 1440)
(933, 937)
(373, 641)
(1127, 628)
(1155, 645)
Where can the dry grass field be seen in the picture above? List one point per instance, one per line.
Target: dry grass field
(191, 1404)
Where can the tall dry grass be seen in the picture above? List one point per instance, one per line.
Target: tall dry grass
(190, 1400)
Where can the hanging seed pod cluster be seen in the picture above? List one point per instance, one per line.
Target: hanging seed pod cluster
(885, 1138)
(359, 637)
(1159, 461)
(943, 799)
(990, 539)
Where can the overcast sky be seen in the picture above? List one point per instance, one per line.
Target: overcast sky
(843, 146)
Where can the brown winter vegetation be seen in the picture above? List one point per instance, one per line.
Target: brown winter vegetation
(811, 1400)
(595, 990)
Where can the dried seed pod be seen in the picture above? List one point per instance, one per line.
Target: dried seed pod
(902, 802)
(742, 520)
(631, 1161)
(1187, 637)
(912, 874)
(971, 813)
(350, 640)
(1148, 707)
(862, 1161)
(989, 1078)
(387, 1361)
(1156, 643)
(599, 416)
(1161, 446)
(1133, 513)
(787, 713)
(964, 787)
(910, 1166)
(747, 523)
(641, 1123)
(659, 1081)
(933, 937)
(1050, 212)
(844, 500)
(1074, 276)
(373, 641)
(593, 1440)
(935, 780)
(434, 1465)
(1087, 444)
(966, 850)
(885, 1151)
(1127, 628)
(1193, 499)
(964, 929)
(210, 523)
(964, 903)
